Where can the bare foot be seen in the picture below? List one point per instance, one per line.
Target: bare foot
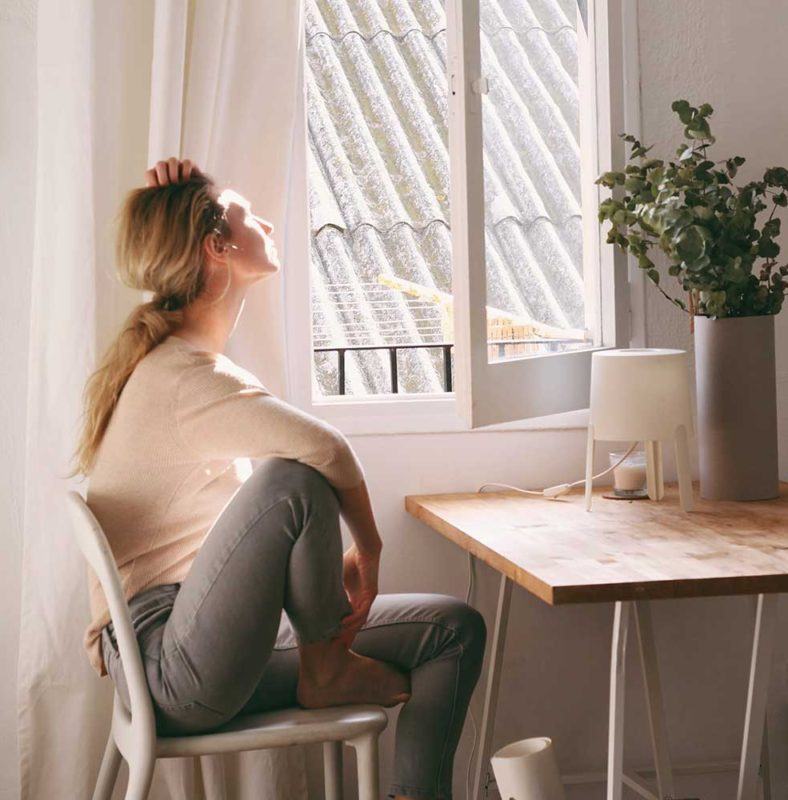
(331, 675)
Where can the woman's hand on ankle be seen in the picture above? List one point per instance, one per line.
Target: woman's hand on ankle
(360, 577)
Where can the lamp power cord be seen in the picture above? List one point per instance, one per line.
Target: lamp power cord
(563, 488)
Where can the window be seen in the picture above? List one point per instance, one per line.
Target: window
(471, 212)
(379, 195)
(578, 280)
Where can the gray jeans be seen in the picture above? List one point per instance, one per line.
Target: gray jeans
(218, 644)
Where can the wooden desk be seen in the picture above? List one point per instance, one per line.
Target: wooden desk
(629, 553)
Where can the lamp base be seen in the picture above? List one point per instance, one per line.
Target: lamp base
(654, 478)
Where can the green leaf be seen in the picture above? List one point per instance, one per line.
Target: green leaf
(776, 176)
(768, 248)
(607, 179)
(644, 262)
(619, 216)
(683, 109)
(771, 227)
(690, 242)
(608, 207)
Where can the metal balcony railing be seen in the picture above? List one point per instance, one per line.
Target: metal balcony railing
(551, 345)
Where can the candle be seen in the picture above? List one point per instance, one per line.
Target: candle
(629, 477)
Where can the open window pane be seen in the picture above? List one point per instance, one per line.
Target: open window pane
(378, 196)
(530, 110)
(536, 98)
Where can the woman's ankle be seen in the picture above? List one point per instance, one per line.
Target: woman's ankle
(321, 661)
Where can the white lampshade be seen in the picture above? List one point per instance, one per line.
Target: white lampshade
(640, 394)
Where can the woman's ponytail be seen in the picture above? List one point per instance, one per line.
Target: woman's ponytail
(159, 249)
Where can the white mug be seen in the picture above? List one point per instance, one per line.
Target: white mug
(527, 770)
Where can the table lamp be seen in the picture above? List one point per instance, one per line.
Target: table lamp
(642, 394)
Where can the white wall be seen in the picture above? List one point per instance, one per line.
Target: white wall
(555, 681)
(728, 54)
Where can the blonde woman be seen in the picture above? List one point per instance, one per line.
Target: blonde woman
(212, 551)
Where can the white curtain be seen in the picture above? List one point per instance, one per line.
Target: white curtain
(121, 85)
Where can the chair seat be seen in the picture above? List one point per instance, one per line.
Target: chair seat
(278, 729)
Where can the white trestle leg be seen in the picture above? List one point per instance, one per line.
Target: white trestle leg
(493, 682)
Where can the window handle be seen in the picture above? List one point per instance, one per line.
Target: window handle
(481, 85)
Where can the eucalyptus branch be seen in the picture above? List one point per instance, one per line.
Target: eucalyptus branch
(676, 302)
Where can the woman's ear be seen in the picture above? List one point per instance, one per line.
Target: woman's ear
(215, 246)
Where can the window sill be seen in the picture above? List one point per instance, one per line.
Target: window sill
(380, 415)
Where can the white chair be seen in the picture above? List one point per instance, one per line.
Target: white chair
(133, 734)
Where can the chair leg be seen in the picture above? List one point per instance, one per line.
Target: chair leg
(332, 770)
(108, 772)
(140, 778)
(366, 747)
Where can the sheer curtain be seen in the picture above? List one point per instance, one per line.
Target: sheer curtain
(120, 86)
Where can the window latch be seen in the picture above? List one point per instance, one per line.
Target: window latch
(481, 85)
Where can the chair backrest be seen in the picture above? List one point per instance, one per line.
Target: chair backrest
(94, 546)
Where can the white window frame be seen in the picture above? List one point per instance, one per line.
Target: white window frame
(611, 23)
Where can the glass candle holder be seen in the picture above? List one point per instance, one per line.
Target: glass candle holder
(629, 477)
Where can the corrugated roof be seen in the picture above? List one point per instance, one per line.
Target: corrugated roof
(379, 175)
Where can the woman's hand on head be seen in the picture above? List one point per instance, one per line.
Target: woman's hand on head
(360, 577)
(170, 171)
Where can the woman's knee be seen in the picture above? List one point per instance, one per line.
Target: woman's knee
(475, 627)
(288, 477)
(467, 623)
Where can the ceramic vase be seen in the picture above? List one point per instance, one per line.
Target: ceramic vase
(737, 407)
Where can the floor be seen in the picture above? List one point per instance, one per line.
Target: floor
(721, 786)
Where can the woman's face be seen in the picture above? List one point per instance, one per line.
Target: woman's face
(252, 249)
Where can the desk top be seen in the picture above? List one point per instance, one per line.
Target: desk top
(620, 550)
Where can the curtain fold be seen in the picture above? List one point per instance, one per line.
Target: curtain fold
(240, 113)
(54, 681)
(120, 86)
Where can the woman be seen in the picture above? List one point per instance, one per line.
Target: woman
(212, 551)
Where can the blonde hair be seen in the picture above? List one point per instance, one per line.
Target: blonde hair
(159, 248)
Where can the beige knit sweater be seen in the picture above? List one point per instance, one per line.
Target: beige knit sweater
(177, 448)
